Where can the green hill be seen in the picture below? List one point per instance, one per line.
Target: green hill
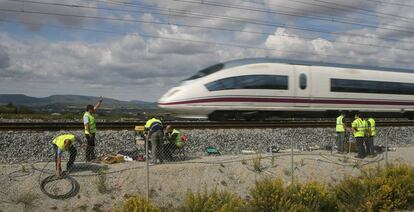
(70, 101)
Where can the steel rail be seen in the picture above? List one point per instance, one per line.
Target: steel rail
(54, 126)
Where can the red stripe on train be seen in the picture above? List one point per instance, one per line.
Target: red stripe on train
(290, 100)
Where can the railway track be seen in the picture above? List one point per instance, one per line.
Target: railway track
(54, 126)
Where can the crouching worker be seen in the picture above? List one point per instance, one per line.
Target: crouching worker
(175, 141)
(61, 144)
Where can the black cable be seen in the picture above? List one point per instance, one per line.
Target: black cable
(52, 178)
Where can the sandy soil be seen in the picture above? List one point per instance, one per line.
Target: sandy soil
(20, 190)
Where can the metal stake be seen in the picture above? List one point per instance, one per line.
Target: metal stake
(386, 147)
(291, 156)
(147, 167)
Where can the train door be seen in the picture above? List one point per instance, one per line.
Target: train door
(302, 86)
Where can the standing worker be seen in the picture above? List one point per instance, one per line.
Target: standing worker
(340, 132)
(156, 136)
(372, 132)
(90, 130)
(359, 134)
(65, 143)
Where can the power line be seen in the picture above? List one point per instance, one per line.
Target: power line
(197, 26)
(371, 13)
(399, 28)
(183, 13)
(391, 3)
(200, 41)
(362, 9)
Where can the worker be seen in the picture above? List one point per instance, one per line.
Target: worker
(359, 134)
(372, 132)
(174, 139)
(90, 130)
(340, 132)
(61, 144)
(155, 134)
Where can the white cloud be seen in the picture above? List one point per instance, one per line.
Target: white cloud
(128, 65)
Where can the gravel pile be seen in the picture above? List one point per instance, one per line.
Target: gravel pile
(27, 146)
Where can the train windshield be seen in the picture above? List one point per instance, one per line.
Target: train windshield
(207, 71)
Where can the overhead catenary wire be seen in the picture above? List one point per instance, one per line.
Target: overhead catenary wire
(212, 43)
(189, 25)
(366, 12)
(184, 13)
(362, 9)
(255, 9)
(204, 42)
(391, 3)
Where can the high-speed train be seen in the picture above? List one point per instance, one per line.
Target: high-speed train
(265, 87)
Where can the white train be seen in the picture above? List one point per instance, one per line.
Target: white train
(264, 87)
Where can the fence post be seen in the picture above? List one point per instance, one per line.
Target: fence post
(386, 147)
(147, 167)
(291, 156)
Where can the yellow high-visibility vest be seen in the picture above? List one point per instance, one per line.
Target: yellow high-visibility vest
(339, 124)
(359, 125)
(150, 122)
(372, 126)
(60, 140)
(92, 125)
(365, 123)
(178, 141)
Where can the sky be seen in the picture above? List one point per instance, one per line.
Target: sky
(139, 49)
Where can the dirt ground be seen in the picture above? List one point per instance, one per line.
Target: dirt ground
(102, 187)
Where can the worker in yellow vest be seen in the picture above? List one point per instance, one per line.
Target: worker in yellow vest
(155, 133)
(358, 129)
(173, 137)
(372, 132)
(61, 144)
(90, 130)
(340, 132)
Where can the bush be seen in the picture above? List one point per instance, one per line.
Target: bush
(270, 195)
(378, 189)
(311, 196)
(137, 204)
(214, 201)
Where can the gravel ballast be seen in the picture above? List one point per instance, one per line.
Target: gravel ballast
(27, 146)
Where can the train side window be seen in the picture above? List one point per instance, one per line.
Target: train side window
(273, 82)
(368, 86)
(302, 81)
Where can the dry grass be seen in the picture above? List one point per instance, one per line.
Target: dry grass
(100, 182)
(27, 199)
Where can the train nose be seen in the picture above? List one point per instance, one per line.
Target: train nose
(168, 97)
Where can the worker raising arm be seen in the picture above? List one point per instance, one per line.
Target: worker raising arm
(90, 129)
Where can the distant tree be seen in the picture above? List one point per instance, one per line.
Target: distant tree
(10, 105)
(24, 110)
